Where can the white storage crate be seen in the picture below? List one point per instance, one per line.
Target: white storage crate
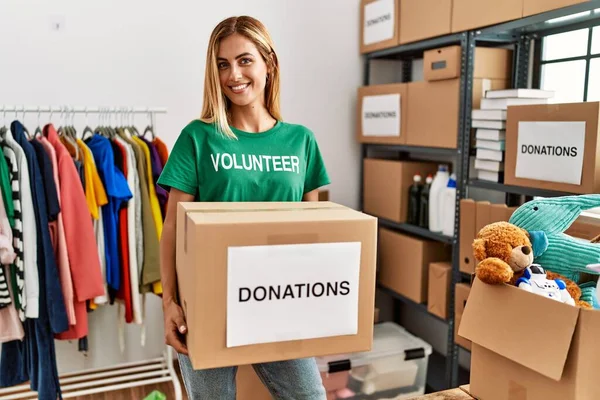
(395, 368)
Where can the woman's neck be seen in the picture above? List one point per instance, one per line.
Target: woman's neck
(251, 118)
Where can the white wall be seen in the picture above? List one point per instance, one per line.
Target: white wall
(151, 53)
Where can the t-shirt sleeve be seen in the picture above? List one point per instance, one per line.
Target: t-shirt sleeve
(316, 172)
(180, 171)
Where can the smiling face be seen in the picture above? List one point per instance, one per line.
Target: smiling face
(242, 71)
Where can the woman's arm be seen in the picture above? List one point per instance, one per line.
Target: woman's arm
(173, 314)
(311, 196)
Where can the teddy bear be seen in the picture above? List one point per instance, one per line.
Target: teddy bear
(503, 252)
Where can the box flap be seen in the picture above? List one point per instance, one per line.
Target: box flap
(251, 206)
(527, 328)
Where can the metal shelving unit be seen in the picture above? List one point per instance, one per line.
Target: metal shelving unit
(521, 34)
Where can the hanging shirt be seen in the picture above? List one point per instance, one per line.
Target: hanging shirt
(132, 232)
(34, 358)
(31, 284)
(163, 154)
(117, 192)
(79, 235)
(11, 327)
(7, 255)
(156, 214)
(17, 270)
(60, 247)
(150, 271)
(157, 167)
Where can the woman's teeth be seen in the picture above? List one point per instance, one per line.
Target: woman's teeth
(239, 88)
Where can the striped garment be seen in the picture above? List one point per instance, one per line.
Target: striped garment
(18, 268)
(4, 293)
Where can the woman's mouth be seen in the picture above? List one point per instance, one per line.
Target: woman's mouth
(239, 88)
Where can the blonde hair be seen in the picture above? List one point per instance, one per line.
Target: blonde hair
(216, 105)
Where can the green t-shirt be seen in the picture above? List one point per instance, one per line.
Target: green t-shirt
(280, 164)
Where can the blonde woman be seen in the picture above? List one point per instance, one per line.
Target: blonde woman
(239, 150)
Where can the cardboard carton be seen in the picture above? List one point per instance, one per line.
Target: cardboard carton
(473, 14)
(526, 346)
(531, 7)
(554, 146)
(462, 291)
(262, 282)
(423, 19)
(404, 263)
(379, 24)
(438, 296)
(382, 113)
(467, 235)
(386, 186)
(444, 63)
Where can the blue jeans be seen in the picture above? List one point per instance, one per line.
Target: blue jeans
(286, 380)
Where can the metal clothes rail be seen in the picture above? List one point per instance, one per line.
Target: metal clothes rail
(111, 377)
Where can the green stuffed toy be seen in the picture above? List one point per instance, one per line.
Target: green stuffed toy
(546, 220)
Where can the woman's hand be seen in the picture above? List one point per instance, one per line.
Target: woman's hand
(175, 327)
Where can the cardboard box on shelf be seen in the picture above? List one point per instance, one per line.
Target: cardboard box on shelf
(382, 113)
(386, 185)
(518, 354)
(540, 137)
(404, 263)
(444, 63)
(438, 296)
(498, 212)
(379, 24)
(482, 85)
(257, 280)
(442, 98)
(473, 14)
(461, 295)
(585, 227)
(482, 215)
(531, 7)
(467, 235)
(423, 19)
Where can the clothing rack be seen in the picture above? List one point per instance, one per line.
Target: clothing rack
(111, 377)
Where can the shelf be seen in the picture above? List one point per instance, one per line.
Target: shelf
(521, 190)
(435, 151)
(416, 230)
(406, 300)
(543, 22)
(416, 48)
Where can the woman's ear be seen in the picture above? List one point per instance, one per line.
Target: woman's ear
(479, 249)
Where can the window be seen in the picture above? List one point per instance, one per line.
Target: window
(570, 66)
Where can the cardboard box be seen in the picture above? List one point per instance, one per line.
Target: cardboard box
(249, 386)
(386, 185)
(482, 215)
(442, 98)
(531, 7)
(585, 227)
(498, 212)
(525, 355)
(423, 19)
(467, 235)
(438, 296)
(482, 85)
(554, 146)
(404, 263)
(461, 294)
(472, 14)
(379, 22)
(444, 63)
(257, 280)
(382, 113)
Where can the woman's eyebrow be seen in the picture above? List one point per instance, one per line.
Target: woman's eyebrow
(237, 57)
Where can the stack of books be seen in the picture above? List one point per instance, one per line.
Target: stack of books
(490, 124)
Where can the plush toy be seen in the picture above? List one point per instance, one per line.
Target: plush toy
(504, 251)
(546, 220)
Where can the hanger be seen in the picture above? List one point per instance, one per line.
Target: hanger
(149, 128)
(38, 130)
(87, 128)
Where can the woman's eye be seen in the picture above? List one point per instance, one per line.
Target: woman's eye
(222, 65)
(246, 60)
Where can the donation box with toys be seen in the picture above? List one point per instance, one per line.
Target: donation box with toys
(261, 282)
(533, 315)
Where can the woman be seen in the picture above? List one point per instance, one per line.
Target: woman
(239, 150)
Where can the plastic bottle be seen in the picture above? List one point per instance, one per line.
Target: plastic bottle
(424, 203)
(437, 186)
(448, 204)
(414, 195)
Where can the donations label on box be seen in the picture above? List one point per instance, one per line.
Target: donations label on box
(381, 115)
(278, 293)
(551, 151)
(379, 21)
